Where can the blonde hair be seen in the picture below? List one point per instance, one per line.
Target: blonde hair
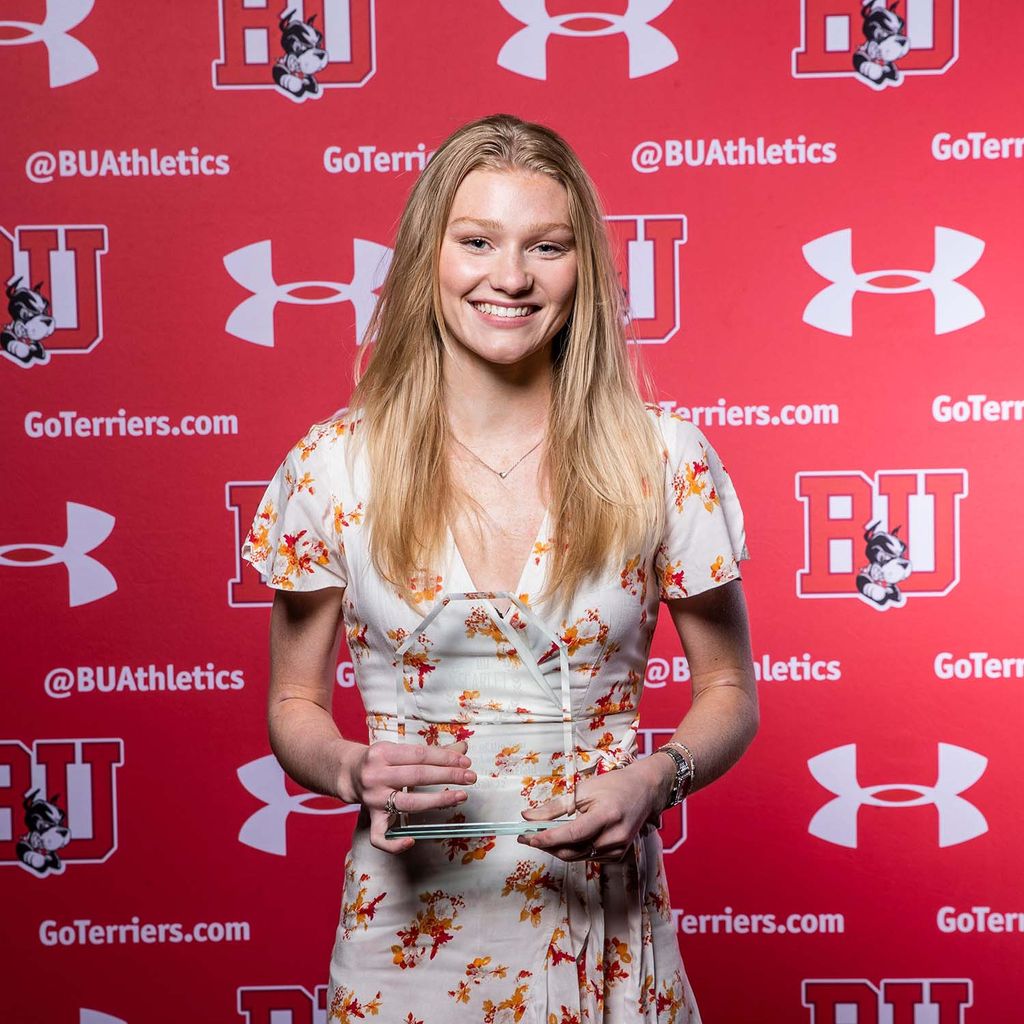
(603, 451)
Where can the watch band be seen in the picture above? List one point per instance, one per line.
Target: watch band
(684, 775)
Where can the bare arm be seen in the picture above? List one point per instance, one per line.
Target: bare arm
(724, 715)
(719, 726)
(305, 633)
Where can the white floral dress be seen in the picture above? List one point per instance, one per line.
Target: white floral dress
(486, 929)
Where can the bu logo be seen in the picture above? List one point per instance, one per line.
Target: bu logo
(331, 44)
(88, 579)
(898, 1001)
(62, 266)
(831, 256)
(839, 37)
(849, 554)
(265, 829)
(525, 52)
(252, 267)
(673, 821)
(58, 803)
(69, 60)
(959, 819)
(649, 249)
(295, 1004)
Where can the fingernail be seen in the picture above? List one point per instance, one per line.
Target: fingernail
(464, 762)
(471, 776)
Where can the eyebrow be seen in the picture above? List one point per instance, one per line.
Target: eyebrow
(496, 225)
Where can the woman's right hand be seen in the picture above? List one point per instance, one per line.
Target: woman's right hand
(384, 767)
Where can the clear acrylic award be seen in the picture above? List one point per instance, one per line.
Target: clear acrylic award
(502, 685)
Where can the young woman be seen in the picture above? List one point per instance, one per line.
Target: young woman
(498, 441)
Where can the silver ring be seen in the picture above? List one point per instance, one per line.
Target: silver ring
(389, 804)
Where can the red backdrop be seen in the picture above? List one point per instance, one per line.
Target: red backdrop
(823, 270)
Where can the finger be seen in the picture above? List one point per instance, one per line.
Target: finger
(400, 776)
(454, 754)
(413, 802)
(379, 822)
(556, 807)
(578, 832)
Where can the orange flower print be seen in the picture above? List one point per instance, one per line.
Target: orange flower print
(425, 588)
(721, 570)
(480, 623)
(469, 701)
(693, 481)
(590, 635)
(508, 759)
(567, 1017)
(356, 634)
(359, 912)
(539, 788)
(342, 518)
(556, 954)
(668, 1002)
(346, 1008)
(304, 483)
(671, 575)
(634, 578)
(621, 696)
(259, 532)
(508, 1011)
(434, 731)
(418, 661)
(432, 927)
(471, 849)
(300, 557)
(616, 953)
(307, 446)
(530, 880)
(477, 971)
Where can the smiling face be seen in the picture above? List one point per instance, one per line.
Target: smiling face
(507, 267)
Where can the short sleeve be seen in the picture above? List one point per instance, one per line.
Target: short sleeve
(294, 541)
(705, 537)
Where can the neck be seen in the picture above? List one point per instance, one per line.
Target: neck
(490, 402)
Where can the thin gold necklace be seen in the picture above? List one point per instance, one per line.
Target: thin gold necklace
(499, 472)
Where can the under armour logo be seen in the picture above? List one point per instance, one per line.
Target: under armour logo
(69, 59)
(525, 52)
(265, 829)
(97, 1017)
(88, 579)
(252, 267)
(831, 256)
(959, 819)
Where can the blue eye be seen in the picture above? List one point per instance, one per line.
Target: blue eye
(469, 242)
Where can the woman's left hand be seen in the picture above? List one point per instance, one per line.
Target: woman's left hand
(611, 809)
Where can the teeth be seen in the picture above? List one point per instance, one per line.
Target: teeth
(505, 311)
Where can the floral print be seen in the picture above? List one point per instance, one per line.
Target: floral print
(466, 930)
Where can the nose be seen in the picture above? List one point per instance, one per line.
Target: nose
(509, 274)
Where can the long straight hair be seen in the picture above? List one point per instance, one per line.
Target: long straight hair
(604, 459)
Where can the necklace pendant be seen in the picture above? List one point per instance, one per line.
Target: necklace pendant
(503, 474)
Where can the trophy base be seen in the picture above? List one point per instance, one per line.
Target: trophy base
(456, 829)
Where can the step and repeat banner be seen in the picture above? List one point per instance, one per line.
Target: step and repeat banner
(817, 207)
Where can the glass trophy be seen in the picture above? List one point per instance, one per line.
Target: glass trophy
(502, 685)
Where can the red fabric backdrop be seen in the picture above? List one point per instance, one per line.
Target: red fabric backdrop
(823, 269)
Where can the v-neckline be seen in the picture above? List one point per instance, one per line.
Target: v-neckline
(523, 575)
